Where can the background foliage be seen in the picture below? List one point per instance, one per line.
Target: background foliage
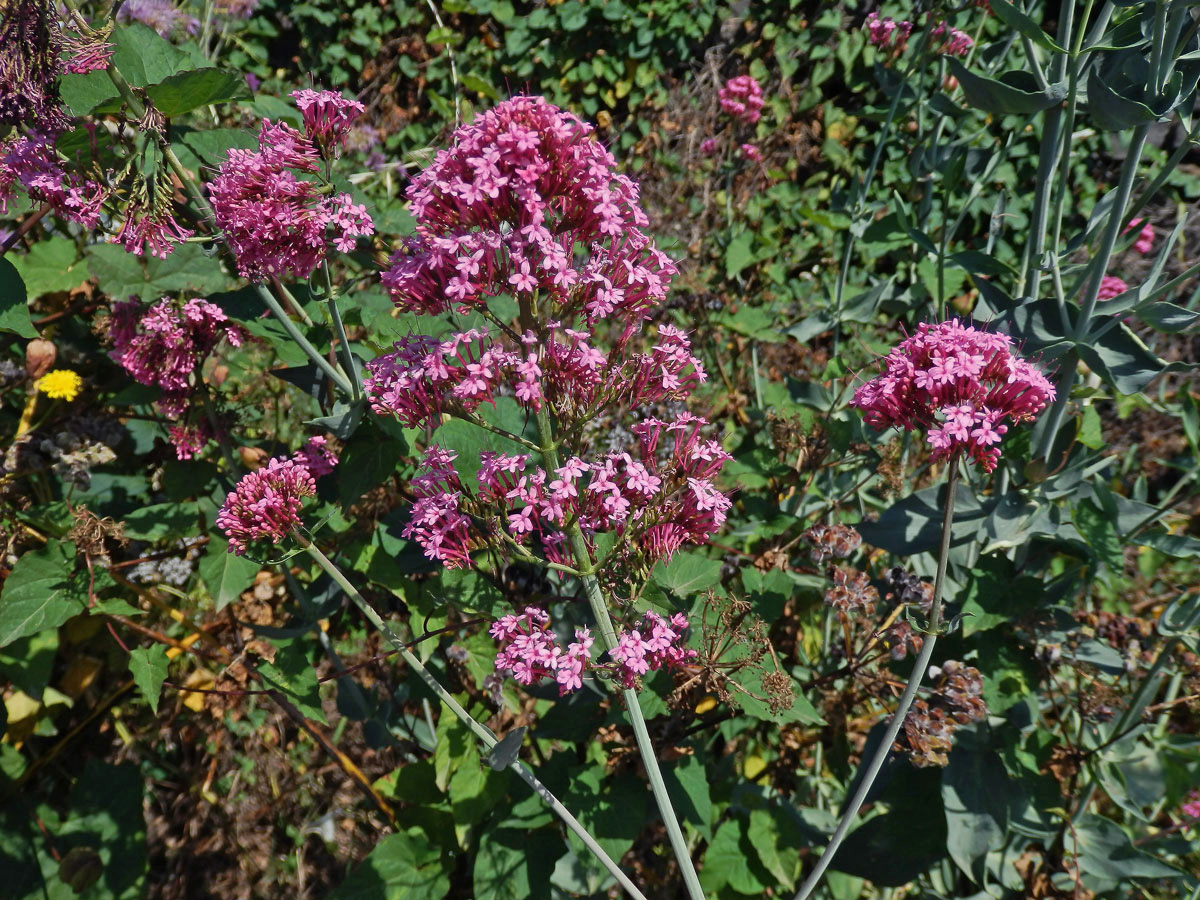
(891, 190)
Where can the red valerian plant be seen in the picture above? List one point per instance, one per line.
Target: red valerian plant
(527, 203)
(961, 385)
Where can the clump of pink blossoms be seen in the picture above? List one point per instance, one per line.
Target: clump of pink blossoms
(276, 219)
(530, 651)
(1191, 807)
(266, 504)
(742, 98)
(328, 117)
(316, 456)
(886, 33)
(1111, 286)
(950, 41)
(527, 204)
(164, 346)
(960, 385)
(1145, 238)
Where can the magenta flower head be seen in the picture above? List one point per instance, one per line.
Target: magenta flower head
(527, 202)
(742, 98)
(266, 504)
(1145, 238)
(327, 118)
(316, 456)
(276, 219)
(963, 386)
(1111, 286)
(165, 345)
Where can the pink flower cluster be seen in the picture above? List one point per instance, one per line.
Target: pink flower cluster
(165, 345)
(751, 152)
(1111, 286)
(424, 378)
(662, 499)
(152, 229)
(1191, 806)
(527, 202)
(530, 651)
(950, 41)
(1145, 239)
(265, 504)
(30, 161)
(328, 117)
(887, 34)
(274, 219)
(960, 384)
(742, 98)
(316, 456)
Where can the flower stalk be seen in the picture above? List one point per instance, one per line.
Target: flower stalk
(872, 769)
(480, 731)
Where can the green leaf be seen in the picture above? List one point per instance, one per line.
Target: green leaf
(39, 592)
(14, 303)
(225, 574)
(161, 521)
(1120, 358)
(687, 786)
(748, 693)
(145, 58)
(1112, 110)
(1014, 92)
(471, 592)
(1023, 24)
(293, 676)
(687, 573)
(83, 93)
(739, 254)
(148, 666)
(776, 839)
(213, 146)
(1108, 858)
(1167, 317)
(402, 866)
(516, 865)
(974, 787)
(50, 266)
(185, 91)
(121, 274)
(366, 462)
(729, 862)
(1099, 531)
(1089, 429)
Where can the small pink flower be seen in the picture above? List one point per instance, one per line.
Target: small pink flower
(316, 456)
(708, 146)
(1145, 239)
(751, 152)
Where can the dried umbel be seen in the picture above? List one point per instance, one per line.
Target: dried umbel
(959, 384)
(30, 65)
(955, 699)
(828, 541)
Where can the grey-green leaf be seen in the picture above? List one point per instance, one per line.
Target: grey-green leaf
(39, 593)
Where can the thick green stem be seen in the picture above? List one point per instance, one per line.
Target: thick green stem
(608, 636)
(910, 692)
(481, 732)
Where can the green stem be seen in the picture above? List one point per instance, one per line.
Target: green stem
(481, 732)
(335, 375)
(608, 635)
(348, 360)
(910, 692)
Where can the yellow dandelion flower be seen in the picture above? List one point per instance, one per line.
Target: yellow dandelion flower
(61, 384)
